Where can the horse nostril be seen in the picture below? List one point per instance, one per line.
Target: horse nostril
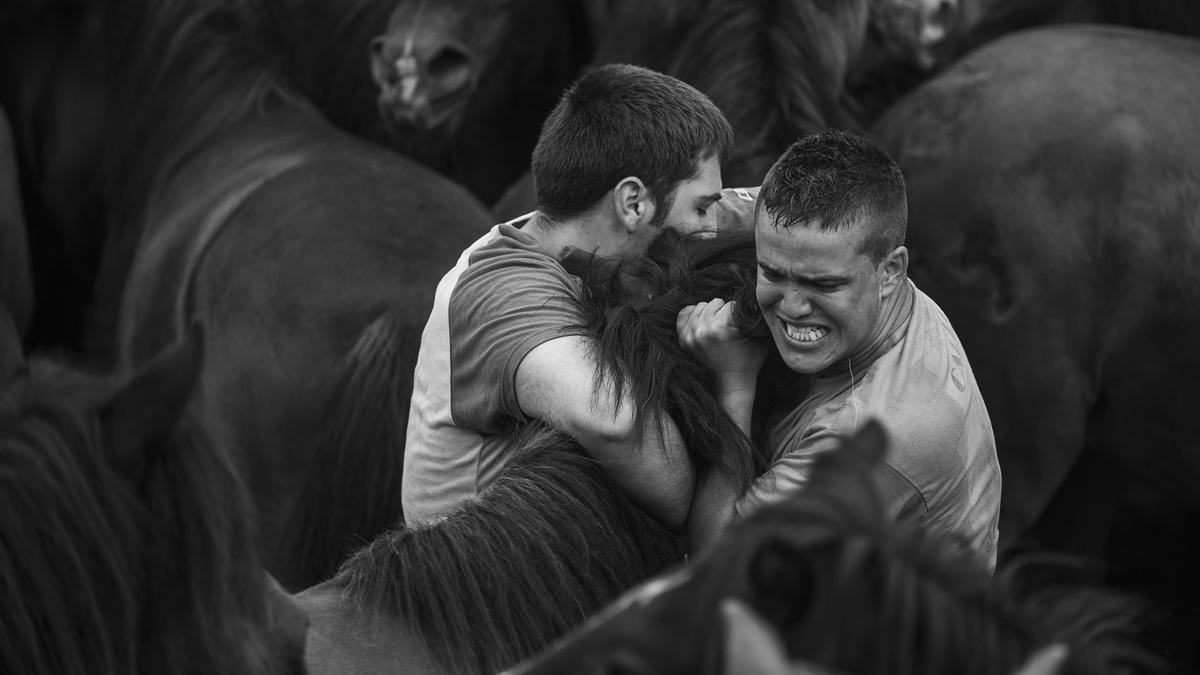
(450, 68)
(377, 46)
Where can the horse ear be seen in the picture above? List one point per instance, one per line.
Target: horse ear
(752, 646)
(145, 412)
(870, 442)
(783, 580)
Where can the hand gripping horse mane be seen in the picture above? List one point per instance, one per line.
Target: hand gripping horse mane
(849, 590)
(553, 539)
(126, 537)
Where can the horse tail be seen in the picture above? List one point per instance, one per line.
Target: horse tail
(352, 489)
(549, 543)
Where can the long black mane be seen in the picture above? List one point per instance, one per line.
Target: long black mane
(104, 571)
(545, 546)
(629, 308)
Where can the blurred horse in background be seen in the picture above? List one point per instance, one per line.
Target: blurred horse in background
(1054, 211)
(852, 591)
(463, 85)
(126, 538)
(441, 63)
(189, 186)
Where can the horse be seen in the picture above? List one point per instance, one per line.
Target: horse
(982, 21)
(803, 49)
(553, 539)
(1053, 216)
(548, 544)
(850, 590)
(463, 86)
(191, 186)
(776, 69)
(126, 542)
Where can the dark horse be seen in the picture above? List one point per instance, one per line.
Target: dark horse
(1054, 216)
(850, 590)
(553, 539)
(187, 186)
(484, 73)
(126, 541)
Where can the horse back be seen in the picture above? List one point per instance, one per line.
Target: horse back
(1054, 215)
(288, 241)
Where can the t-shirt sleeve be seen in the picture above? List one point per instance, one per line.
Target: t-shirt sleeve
(788, 474)
(502, 307)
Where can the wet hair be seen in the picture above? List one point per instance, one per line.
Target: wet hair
(620, 120)
(838, 180)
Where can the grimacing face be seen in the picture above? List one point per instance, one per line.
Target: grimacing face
(820, 294)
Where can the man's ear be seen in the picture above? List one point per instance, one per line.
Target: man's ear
(632, 202)
(895, 271)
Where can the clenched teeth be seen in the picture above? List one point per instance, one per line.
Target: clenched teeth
(805, 333)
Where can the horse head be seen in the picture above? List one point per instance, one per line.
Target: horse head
(832, 581)
(434, 56)
(113, 496)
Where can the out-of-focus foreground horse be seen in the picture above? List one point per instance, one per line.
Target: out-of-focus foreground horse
(849, 590)
(186, 184)
(1054, 196)
(126, 538)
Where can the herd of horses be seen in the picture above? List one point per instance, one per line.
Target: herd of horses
(213, 216)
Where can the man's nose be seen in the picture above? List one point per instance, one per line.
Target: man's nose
(796, 303)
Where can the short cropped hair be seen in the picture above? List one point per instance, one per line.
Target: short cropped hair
(839, 180)
(620, 120)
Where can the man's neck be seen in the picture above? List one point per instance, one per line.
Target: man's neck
(583, 232)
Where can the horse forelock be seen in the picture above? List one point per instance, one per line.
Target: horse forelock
(776, 68)
(548, 544)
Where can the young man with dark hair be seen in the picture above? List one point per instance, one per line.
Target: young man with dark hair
(834, 293)
(626, 152)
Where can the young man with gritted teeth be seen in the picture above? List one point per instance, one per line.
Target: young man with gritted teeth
(833, 290)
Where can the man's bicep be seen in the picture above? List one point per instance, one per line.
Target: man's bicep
(556, 383)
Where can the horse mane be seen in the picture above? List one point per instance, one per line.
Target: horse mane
(69, 531)
(103, 573)
(855, 591)
(629, 309)
(549, 543)
(776, 68)
(351, 487)
(182, 72)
